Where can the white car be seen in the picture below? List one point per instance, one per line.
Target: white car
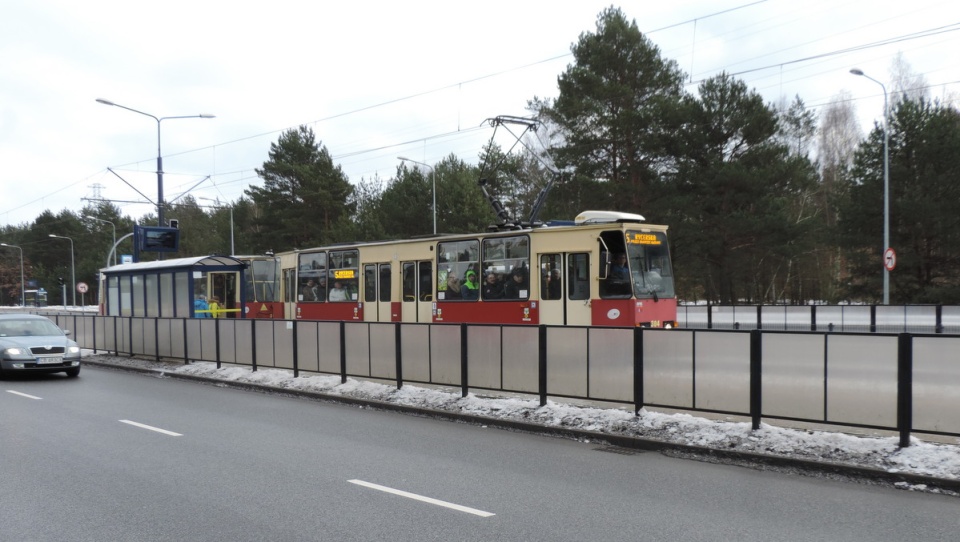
(34, 344)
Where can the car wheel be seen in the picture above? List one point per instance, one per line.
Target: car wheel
(73, 372)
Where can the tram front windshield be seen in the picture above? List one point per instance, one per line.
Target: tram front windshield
(649, 260)
(262, 281)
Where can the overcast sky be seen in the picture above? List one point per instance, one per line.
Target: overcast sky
(377, 80)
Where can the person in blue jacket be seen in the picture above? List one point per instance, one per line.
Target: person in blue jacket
(200, 307)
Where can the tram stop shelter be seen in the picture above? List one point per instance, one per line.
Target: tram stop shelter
(168, 288)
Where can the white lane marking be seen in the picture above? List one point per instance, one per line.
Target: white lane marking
(151, 428)
(25, 395)
(457, 507)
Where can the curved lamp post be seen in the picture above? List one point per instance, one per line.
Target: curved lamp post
(73, 269)
(114, 233)
(886, 184)
(433, 176)
(23, 295)
(159, 156)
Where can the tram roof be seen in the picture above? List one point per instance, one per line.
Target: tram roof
(177, 263)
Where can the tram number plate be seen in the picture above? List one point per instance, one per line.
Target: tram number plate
(50, 361)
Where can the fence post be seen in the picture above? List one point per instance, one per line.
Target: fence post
(939, 326)
(253, 343)
(905, 387)
(813, 317)
(760, 317)
(398, 346)
(156, 338)
(873, 318)
(637, 370)
(464, 364)
(216, 341)
(756, 374)
(296, 356)
(709, 316)
(343, 352)
(186, 344)
(542, 363)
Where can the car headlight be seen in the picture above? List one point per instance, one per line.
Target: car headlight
(14, 351)
(73, 349)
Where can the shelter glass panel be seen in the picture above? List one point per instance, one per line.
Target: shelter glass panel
(125, 309)
(152, 299)
(113, 296)
(166, 295)
(183, 301)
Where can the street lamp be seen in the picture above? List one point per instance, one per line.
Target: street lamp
(73, 268)
(159, 157)
(217, 201)
(886, 186)
(433, 176)
(23, 295)
(114, 233)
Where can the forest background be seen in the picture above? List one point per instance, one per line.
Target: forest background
(766, 202)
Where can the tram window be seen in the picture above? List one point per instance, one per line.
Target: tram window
(384, 282)
(409, 282)
(426, 281)
(551, 276)
(312, 276)
(454, 260)
(650, 264)
(369, 283)
(343, 282)
(260, 281)
(507, 259)
(289, 279)
(578, 276)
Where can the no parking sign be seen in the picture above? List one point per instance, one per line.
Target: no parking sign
(889, 259)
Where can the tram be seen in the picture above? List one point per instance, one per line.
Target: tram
(555, 274)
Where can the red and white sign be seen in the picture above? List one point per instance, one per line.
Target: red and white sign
(890, 259)
(82, 287)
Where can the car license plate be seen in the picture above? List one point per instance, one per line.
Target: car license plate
(50, 361)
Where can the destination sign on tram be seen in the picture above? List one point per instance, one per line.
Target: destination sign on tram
(635, 238)
(345, 274)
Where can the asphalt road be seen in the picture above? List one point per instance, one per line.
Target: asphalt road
(122, 456)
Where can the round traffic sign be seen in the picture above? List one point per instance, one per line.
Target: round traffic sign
(889, 259)
(82, 287)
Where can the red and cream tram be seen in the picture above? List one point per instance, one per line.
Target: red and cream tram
(604, 269)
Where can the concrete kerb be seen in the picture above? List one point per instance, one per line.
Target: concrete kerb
(803, 467)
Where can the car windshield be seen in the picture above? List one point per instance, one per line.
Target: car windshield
(28, 328)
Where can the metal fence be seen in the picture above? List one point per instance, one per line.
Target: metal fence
(836, 318)
(909, 383)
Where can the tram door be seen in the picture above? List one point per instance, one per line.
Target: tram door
(416, 297)
(225, 287)
(565, 288)
(376, 292)
(289, 289)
